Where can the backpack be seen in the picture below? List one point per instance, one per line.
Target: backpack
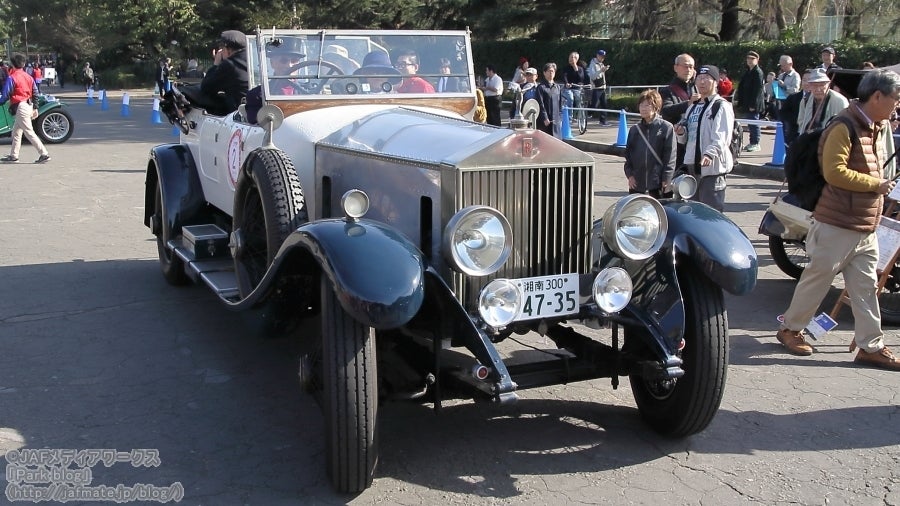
(737, 134)
(801, 165)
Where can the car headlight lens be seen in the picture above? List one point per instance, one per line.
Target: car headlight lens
(612, 289)
(684, 186)
(499, 302)
(477, 240)
(635, 226)
(355, 204)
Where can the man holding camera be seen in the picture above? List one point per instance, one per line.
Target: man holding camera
(226, 82)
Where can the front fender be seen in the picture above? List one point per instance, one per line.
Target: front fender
(771, 225)
(717, 246)
(48, 106)
(377, 273)
(183, 203)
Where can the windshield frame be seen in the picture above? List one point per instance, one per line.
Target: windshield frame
(323, 81)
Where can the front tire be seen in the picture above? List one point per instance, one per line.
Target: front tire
(54, 126)
(269, 205)
(789, 256)
(350, 397)
(688, 404)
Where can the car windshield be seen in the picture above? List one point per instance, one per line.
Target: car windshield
(304, 64)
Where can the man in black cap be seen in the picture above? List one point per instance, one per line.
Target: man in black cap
(828, 59)
(749, 98)
(226, 82)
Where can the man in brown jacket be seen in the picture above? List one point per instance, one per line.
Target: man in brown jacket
(842, 236)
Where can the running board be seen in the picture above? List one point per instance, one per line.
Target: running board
(215, 267)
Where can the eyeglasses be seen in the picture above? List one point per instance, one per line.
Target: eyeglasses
(404, 64)
(895, 98)
(687, 65)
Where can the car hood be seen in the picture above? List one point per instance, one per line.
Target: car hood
(419, 135)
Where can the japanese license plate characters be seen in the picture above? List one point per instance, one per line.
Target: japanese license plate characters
(548, 296)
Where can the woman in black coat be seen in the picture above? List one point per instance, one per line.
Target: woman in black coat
(650, 150)
(549, 97)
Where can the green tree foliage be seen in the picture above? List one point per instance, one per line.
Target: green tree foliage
(142, 28)
(122, 31)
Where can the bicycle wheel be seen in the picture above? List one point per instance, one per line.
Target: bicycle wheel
(582, 119)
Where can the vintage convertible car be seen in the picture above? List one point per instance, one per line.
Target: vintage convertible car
(401, 242)
(53, 125)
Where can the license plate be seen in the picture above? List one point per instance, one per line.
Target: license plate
(548, 296)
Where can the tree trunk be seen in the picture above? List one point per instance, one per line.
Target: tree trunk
(731, 27)
(802, 16)
(646, 22)
(852, 22)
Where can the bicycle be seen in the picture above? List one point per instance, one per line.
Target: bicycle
(579, 115)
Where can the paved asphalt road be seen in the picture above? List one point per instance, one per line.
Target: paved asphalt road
(97, 352)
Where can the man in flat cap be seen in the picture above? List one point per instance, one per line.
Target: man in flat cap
(226, 82)
(749, 98)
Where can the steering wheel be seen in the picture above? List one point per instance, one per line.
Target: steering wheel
(308, 84)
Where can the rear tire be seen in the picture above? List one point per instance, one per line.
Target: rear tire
(790, 256)
(171, 265)
(350, 397)
(687, 405)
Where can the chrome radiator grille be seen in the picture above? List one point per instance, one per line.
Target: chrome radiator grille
(549, 209)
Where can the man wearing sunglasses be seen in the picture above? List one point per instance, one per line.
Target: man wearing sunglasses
(408, 65)
(284, 63)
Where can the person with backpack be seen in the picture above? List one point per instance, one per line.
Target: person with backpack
(842, 236)
(821, 105)
(707, 133)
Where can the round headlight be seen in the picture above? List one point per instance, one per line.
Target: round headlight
(355, 204)
(612, 289)
(477, 240)
(635, 226)
(684, 186)
(499, 302)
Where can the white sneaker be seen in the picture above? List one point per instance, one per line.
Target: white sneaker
(752, 147)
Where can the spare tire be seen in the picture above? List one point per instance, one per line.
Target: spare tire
(268, 206)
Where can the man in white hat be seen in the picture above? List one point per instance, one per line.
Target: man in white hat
(821, 104)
